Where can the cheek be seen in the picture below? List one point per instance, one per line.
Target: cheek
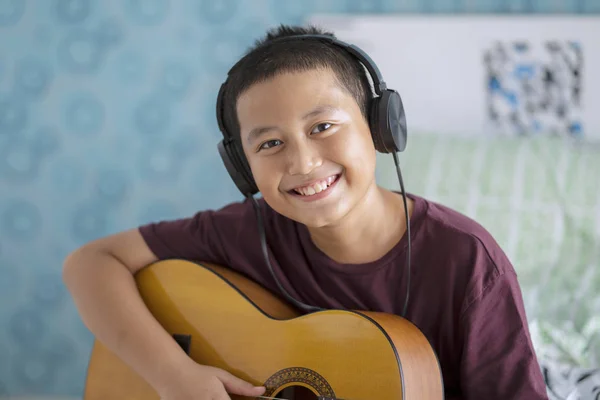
(357, 155)
(265, 175)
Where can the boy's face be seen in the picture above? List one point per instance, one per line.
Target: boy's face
(308, 145)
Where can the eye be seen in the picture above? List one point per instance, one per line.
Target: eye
(269, 143)
(321, 127)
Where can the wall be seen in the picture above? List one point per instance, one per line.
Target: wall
(107, 122)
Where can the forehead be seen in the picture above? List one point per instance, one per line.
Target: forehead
(288, 96)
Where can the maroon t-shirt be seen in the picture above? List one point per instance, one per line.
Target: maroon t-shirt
(464, 293)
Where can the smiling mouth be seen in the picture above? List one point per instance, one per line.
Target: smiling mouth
(315, 188)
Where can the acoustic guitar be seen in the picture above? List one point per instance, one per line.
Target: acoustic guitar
(222, 319)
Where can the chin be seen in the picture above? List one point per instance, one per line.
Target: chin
(315, 218)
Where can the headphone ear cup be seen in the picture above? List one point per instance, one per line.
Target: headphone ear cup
(375, 125)
(237, 168)
(244, 167)
(388, 124)
(396, 120)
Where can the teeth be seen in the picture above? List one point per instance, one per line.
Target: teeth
(315, 188)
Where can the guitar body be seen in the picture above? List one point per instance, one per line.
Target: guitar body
(228, 321)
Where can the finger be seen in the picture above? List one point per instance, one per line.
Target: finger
(218, 392)
(235, 385)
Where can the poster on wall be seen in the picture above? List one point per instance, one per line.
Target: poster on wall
(482, 75)
(534, 87)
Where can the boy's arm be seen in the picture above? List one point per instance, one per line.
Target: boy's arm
(499, 360)
(100, 278)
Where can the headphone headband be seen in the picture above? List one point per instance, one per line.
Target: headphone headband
(379, 84)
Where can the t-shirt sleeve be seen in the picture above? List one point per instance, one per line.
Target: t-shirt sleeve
(499, 360)
(207, 236)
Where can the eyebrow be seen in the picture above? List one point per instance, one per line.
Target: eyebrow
(320, 109)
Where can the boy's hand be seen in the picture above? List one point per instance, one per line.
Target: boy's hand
(201, 382)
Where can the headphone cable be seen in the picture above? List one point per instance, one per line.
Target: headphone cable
(263, 245)
(407, 218)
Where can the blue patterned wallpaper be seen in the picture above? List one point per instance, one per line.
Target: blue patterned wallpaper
(107, 122)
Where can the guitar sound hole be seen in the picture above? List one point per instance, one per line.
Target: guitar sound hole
(296, 393)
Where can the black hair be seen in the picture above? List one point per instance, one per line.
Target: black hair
(266, 59)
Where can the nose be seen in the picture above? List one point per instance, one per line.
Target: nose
(302, 158)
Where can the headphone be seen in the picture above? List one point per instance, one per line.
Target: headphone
(387, 120)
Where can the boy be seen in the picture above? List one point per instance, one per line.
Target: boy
(299, 111)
